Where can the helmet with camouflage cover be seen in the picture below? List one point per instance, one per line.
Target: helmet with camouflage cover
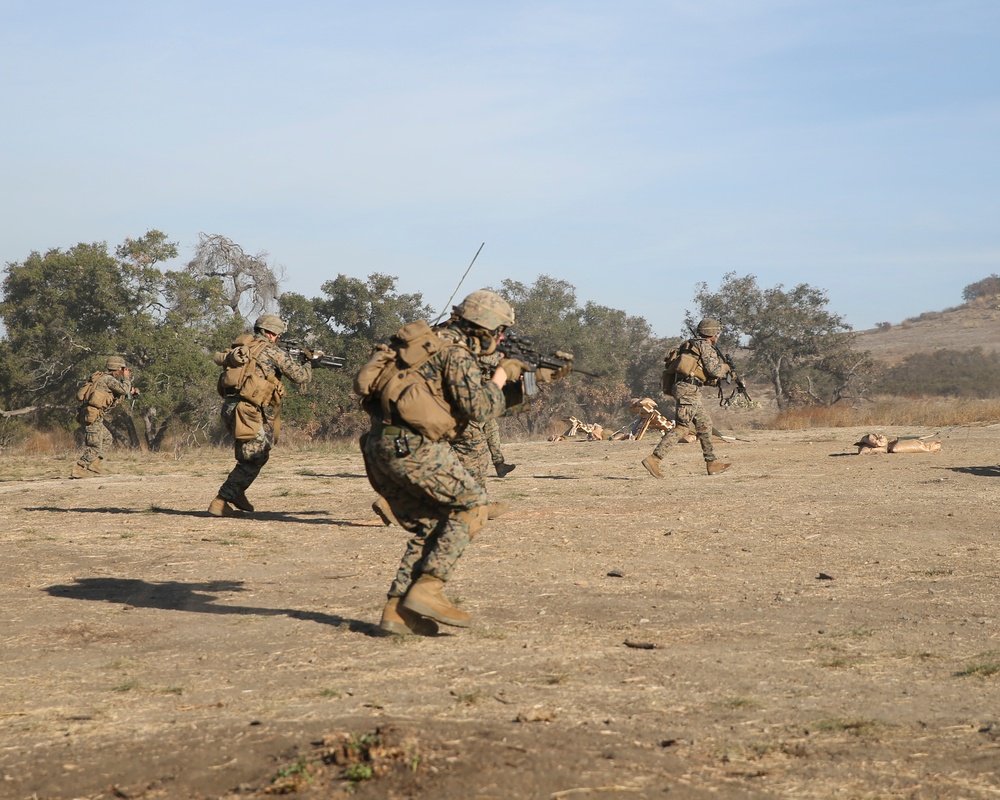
(115, 362)
(709, 327)
(271, 323)
(485, 309)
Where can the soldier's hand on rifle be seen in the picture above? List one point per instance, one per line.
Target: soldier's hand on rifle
(134, 391)
(513, 367)
(549, 375)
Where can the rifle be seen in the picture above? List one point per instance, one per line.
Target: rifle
(520, 347)
(739, 394)
(315, 357)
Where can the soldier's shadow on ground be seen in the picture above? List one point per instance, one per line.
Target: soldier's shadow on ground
(307, 517)
(311, 474)
(991, 471)
(197, 597)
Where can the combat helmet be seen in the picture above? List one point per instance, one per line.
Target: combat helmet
(271, 323)
(485, 309)
(115, 362)
(709, 327)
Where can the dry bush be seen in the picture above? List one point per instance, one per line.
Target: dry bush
(47, 443)
(930, 412)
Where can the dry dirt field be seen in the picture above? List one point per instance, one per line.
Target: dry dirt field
(811, 624)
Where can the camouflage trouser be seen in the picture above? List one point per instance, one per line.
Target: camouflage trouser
(251, 456)
(434, 498)
(96, 438)
(690, 414)
(491, 429)
(473, 451)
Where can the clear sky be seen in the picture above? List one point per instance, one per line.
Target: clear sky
(630, 147)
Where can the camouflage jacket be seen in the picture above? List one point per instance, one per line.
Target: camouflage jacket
(276, 362)
(118, 387)
(711, 361)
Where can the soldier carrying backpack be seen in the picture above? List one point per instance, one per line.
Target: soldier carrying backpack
(421, 391)
(251, 390)
(102, 392)
(688, 367)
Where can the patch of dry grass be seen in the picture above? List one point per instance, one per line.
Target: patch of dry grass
(888, 411)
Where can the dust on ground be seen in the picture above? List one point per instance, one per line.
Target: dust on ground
(811, 624)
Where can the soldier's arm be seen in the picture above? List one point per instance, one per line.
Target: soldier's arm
(288, 367)
(119, 387)
(471, 396)
(712, 362)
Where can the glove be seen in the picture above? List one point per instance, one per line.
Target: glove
(547, 375)
(513, 367)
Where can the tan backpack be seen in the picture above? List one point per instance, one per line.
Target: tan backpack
(681, 362)
(392, 378)
(242, 373)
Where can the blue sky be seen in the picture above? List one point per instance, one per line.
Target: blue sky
(630, 148)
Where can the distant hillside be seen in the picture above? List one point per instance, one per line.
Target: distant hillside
(976, 324)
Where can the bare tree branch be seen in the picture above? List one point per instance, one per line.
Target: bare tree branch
(250, 283)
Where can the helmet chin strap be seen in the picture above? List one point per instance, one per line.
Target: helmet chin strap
(480, 341)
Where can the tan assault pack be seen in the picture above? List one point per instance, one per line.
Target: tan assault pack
(96, 400)
(681, 362)
(242, 373)
(392, 377)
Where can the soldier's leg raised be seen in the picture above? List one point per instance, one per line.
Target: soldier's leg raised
(435, 498)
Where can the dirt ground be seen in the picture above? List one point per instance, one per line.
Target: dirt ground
(810, 624)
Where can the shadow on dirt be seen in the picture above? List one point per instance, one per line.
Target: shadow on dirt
(257, 516)
(992, 471)
(196, 597)
(352, 475)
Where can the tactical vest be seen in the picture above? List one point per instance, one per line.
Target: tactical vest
(242, 374)
(391, 382)
(682, 362)
(95, 399)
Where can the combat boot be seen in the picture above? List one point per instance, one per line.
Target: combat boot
(81, 471)
(715, 467)
(426, 597)
(220, 508)
(402, 621)
(652, 465)
(241, 502)
(496, 508)
(503, 469)
(381, 507)
(97, 466)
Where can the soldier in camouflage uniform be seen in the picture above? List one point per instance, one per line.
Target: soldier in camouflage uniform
(430, 492)
(491, 428)
(690, 413)
(253, 454)
(473, 445)
(114, 385)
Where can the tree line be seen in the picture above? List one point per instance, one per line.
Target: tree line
(65, 311)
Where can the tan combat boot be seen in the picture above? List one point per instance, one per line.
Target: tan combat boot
(220, 508)
(652, 465)
(715, 467)
(241, 502)
(381, 507)
(497, 508)
(80, 471)
(426, 597)
(97, 466)
(402, 621)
